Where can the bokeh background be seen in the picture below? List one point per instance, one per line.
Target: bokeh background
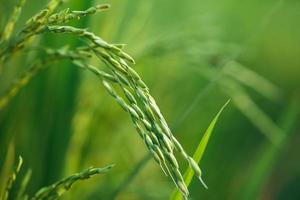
(194, 55)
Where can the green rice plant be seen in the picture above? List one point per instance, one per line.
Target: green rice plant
(156, 134)
(57, 189)
(134, 97)
(51, 192)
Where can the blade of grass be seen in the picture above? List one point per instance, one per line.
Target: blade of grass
(188, 175)
(21, 191)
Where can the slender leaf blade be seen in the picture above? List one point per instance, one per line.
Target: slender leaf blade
(189, 173)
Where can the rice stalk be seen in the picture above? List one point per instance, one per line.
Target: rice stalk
(39, 22)
(11, 180)
(53, 56)
(36, 23)
(9, 27)
(66, 15)
(134, 97)
(144, 112)
(57, 189)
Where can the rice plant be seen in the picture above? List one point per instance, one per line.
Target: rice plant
(53, 191)
(136, 99)
(78, 77)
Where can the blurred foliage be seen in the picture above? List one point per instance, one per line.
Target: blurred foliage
(194, 55)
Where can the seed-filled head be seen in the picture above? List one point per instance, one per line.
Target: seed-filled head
(132, 95)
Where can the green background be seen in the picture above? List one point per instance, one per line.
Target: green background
(63, 121)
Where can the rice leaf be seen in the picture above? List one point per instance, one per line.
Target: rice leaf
(21, 190)
(189, 173)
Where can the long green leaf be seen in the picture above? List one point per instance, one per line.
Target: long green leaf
(189, 173)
